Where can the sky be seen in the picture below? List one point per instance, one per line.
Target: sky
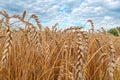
(104, 13)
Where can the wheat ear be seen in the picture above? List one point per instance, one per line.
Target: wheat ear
(8, 42)
(80, 56)
(37, 20)
(111, 62)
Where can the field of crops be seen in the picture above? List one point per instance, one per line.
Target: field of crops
(34, 52)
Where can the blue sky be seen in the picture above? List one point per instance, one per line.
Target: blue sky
(104, 13)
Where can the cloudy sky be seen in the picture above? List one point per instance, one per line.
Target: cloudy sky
(104, 13)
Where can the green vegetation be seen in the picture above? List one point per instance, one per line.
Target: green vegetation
(114, 31)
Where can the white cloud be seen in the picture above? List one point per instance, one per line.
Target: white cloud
(112, 4)
(68, 12)
(98, 9)
(107, 18)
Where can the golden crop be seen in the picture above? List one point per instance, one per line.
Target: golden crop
(52, 54)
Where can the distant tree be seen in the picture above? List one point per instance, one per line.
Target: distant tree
(114, 31)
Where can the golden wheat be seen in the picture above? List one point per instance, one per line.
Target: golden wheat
(28, 53)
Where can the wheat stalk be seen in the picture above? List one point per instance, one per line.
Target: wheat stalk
(63, 66)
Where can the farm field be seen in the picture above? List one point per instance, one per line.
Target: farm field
(34, 52)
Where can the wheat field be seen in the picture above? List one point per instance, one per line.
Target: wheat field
(42, 53)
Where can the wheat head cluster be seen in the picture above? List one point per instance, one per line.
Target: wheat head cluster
(34, 52)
